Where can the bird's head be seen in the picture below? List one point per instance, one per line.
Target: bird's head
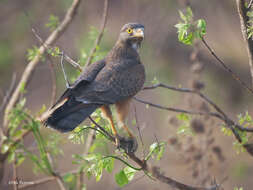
(132, 34)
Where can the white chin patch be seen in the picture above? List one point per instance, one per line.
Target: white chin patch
(135, 46)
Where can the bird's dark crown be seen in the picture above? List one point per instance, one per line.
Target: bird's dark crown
(131, 33)
(131, 25)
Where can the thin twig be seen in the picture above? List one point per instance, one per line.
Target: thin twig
(32, 64)
(220, 115)
(60, 182)
(226, 68)
(50, 48)
(250, 4)
(15, 178)
(100, 35)
(177, 109)
(53, 78)
(139, 130)
(110, 137)
(244, 19)
(9, 91)
(63, 70)
(47, 179)
(223, 116)
(58, 177)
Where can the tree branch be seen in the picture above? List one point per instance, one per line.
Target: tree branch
(226, 68)
(102, 28)
(47, 179)
(244, 19)
(220, 113)
(250, 4)
(176, 109)
(32, 64)
(155, 172)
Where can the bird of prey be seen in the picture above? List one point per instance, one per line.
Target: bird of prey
(113, 80)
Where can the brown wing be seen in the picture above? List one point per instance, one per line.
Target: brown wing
(115, 82)
(86, 77)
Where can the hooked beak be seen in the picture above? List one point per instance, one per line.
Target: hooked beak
(138, 33)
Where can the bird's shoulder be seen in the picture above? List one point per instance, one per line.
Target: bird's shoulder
(90, 72)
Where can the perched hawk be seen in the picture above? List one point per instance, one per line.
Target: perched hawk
(113, 80)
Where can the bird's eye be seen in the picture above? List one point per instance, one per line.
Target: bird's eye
(129, 30)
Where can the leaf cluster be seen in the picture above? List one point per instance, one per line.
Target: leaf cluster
(189, 29)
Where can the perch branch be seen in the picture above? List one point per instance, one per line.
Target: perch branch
(155, 171)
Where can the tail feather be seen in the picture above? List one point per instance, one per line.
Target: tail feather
(68, 116)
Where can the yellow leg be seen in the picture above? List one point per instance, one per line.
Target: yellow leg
(108, 115)
(122, 109)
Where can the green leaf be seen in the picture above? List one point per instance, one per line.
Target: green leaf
(83, 187)
(121, 178)
(69, 177)
(32, 53)
(22, 87)
(182, 16)
(188, 30)
(53, 22)
(17, 134)
(20, 159)
(189, 13)
(160, 152)
(155, 81)
(108, 164)
(99, 170)
(5, 148)
(201, 26)
(11, 157)
(183, 117)
(156, 149)
(129, 172)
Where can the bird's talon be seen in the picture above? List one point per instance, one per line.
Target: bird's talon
(129, 144)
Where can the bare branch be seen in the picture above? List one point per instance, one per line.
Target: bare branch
(177, 110)
(60, 182)
(250, 4)
(53, 77)
(100, 35)
(46, 179)
(65, 56)
(226, 68)
(32, 64)
(15, 178)
(6, 97)
(244, 19)
(220, 114)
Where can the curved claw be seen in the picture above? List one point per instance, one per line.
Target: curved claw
(128, 144)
